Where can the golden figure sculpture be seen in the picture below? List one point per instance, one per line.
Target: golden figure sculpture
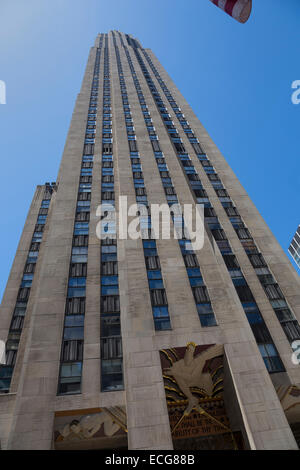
(88, 426)
(188, 372)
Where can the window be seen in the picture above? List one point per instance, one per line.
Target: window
(152, 262)
(270, 357)
(43, 211)
(12, 345)
(73, 332)
(39, 228)
(222, 193)
(110, 304)
(82, 216)
(76, 287)
(110, 326)
(291, 329)
(200, 193)
(243, 233)
(35, 246)
(191, 261)
(45, 203)
(284, 314)
(195, 281)
(85, 179)
(88, 149)
(107, 164)
(23, 294)
(86, 172)
(158, 297)
(17, 323)
(154, 275)
(81, 228)
(5, 377)
(266, 279)
(156, 283)
(231, 211)
(206, 315)
(107, 171)
(219, 234)
(109, 285)
(108, 249)
(193, 177)
(42, 219)
(244, 293)
(111, 348)
(75, 306)
(273, 292)
(179, 147)
(231, 262)
(72, 350)
(79, 250)
(111, 375)
(197, 148)
(155, 145)
(149, 250)
(70, 378)
(170, 191)
(107, 148)
(201, 294)
(27, 277)
(29, 268)
(77, 281)
(109, 268)
(107, 179)
(132, 145)
(37, 237)
(78, 269)
(161, 318)
(249, 247)
(140, 191)
(80, 240)
(87, 164)
(257, 260)
(84, 196)
(74, 321)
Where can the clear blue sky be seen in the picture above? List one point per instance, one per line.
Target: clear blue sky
(236, 77)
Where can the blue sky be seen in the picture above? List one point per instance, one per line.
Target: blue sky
(236, 77)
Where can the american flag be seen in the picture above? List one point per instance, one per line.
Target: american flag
(238, 9)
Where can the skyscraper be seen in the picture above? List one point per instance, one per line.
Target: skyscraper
(294, 248)
(116, 341)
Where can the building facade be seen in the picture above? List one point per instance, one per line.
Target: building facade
(294, 248)
(145, 342)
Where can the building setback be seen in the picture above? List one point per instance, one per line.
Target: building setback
(144, 343)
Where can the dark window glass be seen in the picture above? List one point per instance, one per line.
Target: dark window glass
(75, 305)
(244, 293)
(72, 350)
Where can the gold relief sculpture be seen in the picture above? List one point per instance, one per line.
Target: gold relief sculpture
(107, 422)
(193, 380)
(188, 372)
(289, 397)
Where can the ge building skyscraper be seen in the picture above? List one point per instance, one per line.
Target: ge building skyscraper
(121, 340)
